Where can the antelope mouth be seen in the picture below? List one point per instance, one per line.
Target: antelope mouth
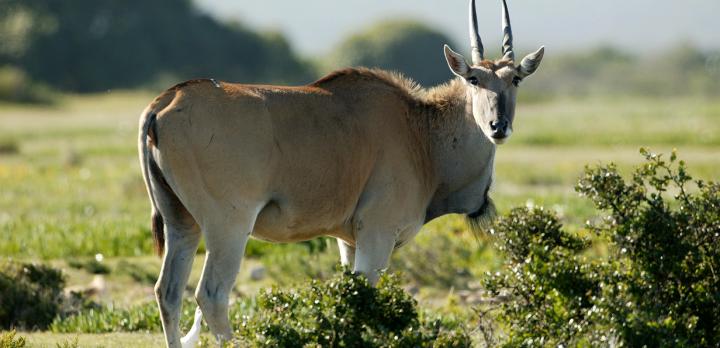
(499, 140)
(500, 137)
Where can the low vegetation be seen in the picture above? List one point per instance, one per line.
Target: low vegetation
(9, 147)
(10, 339)
(92, 266)
(545, 282)
(96, 318)
(344, 311)
(17, 87)
(655, 285)
(32, 295)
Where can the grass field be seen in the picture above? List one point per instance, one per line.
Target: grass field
(113, 340)
(70, 188)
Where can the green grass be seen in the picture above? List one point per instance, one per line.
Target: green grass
(73, 189)
(108, 340)
(622, 121)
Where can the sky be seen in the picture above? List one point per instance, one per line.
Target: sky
(642, 26)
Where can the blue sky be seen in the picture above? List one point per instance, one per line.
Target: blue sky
(644, 26)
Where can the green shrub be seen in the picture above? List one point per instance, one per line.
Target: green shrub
(9, 146)
(549, 285)
(9, 340)
(656, 285)
(664, 229)
(31, 295)
(406, 46)
(345, 311)
(17, 87)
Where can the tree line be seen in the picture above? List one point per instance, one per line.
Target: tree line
(97, 45)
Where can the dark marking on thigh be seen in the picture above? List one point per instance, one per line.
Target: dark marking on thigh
(210, 142)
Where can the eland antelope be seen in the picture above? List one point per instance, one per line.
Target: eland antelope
(362, 155)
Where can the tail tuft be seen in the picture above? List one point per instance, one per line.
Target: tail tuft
(193, 336)
(157, 226)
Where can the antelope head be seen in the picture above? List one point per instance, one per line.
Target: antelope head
(492, 85)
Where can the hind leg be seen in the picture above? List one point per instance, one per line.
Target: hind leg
(181, 242)
(225, 248)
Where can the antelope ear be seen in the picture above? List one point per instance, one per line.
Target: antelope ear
(530, 63)
(456, 62)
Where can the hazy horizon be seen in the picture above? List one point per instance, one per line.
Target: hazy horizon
(639, 26)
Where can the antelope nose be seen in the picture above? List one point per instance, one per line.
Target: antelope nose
(498, 128)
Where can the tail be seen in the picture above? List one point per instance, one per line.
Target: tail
(193, 336)
(148, 137)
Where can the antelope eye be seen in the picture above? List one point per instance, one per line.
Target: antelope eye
(473, 80)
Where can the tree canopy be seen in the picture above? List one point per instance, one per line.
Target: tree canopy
(94, 45)
(405, 46)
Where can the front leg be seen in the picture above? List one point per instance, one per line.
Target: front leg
(372, 252)
(378, 226)
(347, 253)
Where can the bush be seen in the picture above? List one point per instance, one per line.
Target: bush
(17, 87)
(32, 295)
(345, 311)
(657, 285)
(664, 289)
(409, 47)
(9, 146)
(549, 285)
(8, 340)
